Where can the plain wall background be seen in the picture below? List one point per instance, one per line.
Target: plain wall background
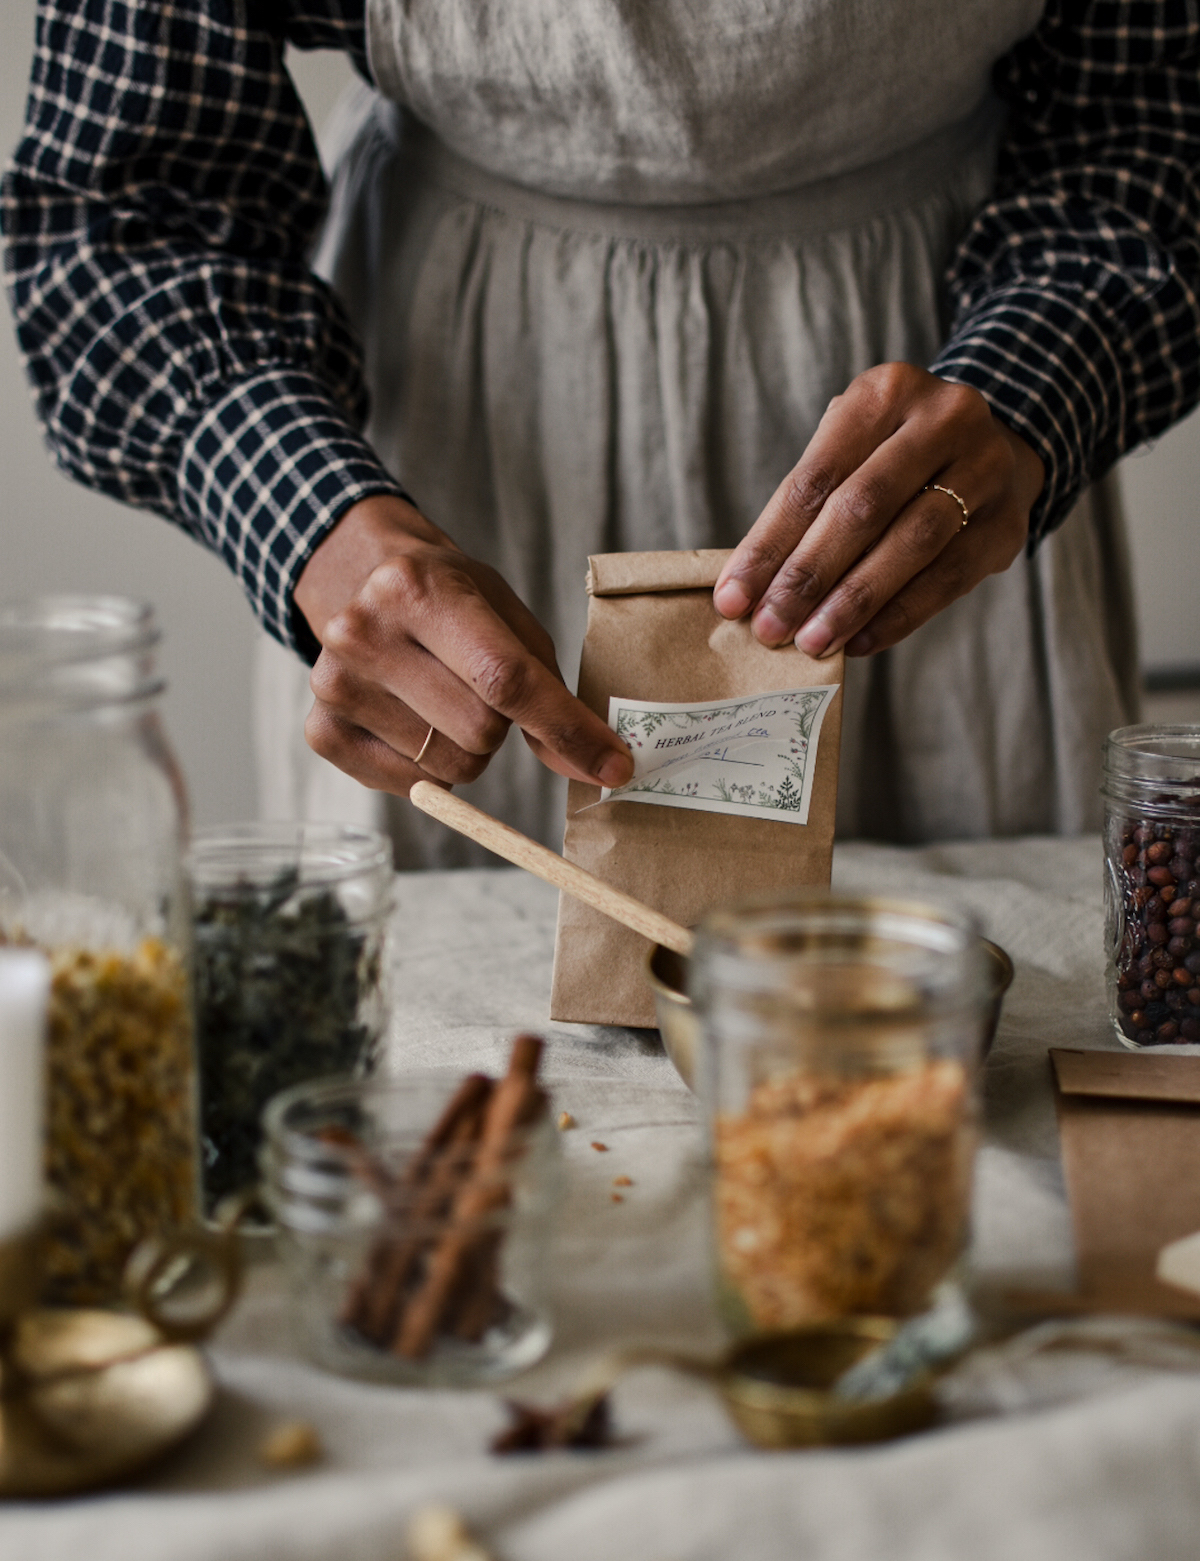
(57, 536)
(1161, 488)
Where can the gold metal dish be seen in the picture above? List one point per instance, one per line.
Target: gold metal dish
(100, 1397)
(89, 1398)
(679, 1025)
(777, 1387)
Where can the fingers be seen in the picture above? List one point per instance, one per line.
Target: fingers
(347, 708)
(873, 509)
(853, 527)
(853, 427)
(988, 544)
(881, 605)
(929, 525)
(377, 764)
(372, 762)
(374, 673)
(437, 637)
(955, 571)
(919, 535)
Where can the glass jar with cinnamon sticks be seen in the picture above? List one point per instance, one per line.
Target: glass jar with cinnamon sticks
(415, 1216)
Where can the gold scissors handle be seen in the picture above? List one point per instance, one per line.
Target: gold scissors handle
(185, 1282)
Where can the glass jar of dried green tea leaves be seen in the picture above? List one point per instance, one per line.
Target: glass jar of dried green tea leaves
(290, 924)
(92, 817)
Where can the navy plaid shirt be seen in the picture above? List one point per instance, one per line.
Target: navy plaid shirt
(161, 205)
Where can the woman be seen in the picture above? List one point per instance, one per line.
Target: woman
(610, 263)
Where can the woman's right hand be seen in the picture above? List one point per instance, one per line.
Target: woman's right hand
(414, 635)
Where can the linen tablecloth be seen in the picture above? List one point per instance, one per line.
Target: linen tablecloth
(1102, 1463)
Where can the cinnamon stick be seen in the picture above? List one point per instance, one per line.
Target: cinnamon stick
(416, 1219)
(483, 1191)
(478, 1301)
(430, 1178)
(466, 1101)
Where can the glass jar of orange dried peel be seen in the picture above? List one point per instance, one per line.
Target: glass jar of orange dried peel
(841, 1046)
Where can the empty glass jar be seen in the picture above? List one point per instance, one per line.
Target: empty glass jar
(841, 1041)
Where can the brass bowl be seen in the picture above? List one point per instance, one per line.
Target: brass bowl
(679, 1025)
(101, 1396)
(776, 1387)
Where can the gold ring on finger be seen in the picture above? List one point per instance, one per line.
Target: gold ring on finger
(424, 748)
(937, 487)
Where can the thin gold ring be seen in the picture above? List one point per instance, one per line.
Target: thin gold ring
(937, 487)
(424, 747)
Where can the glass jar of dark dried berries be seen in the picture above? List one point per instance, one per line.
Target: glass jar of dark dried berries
(1152, 883)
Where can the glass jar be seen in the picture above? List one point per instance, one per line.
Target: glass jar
(841, 1044)
(412, 1257)
(1152, 883)
(291, 975)
(92, 822)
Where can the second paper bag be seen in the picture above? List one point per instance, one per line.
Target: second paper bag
(736, 794)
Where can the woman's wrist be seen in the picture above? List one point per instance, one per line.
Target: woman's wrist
(375, 529)
(1029, 471)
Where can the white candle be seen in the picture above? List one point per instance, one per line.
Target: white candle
(24, 989)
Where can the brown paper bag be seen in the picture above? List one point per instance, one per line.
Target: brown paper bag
(1129, 1125)
(653, 634)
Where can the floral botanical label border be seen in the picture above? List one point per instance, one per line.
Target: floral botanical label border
(754, 755)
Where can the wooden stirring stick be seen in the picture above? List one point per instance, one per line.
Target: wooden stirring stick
(517, 848)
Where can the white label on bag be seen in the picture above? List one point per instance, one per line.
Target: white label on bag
(754, 755)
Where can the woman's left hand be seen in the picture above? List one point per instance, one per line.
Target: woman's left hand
(852, 550)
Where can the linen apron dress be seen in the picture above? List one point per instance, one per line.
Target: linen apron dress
(610, 260)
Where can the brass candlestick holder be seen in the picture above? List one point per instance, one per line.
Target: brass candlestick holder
(89, 1397)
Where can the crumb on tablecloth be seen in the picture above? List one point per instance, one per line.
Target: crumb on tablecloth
(292, 1445)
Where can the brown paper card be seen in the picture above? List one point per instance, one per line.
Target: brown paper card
(1127, 1075)
(653, 634)
(1129, 1126)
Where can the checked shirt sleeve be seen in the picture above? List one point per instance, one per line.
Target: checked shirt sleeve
(1076, 291)
(158, 213)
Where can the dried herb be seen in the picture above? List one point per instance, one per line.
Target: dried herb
(120, 1123)
(586, 1423)
(287, 989)
(836, 1195)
